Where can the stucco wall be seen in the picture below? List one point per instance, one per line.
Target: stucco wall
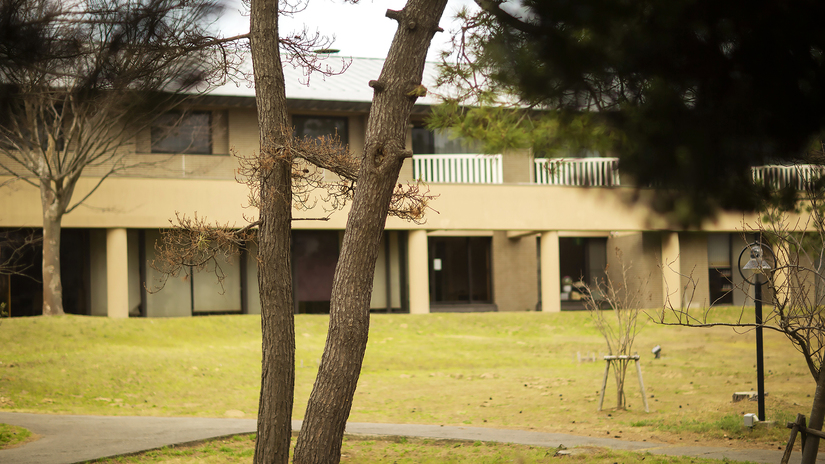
(169, 298)
(243, 131)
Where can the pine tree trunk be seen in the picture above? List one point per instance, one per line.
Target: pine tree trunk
(815, 421)
(52, 283)
(274, 263)
(331, 399)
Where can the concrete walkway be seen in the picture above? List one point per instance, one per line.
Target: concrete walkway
(71, 439)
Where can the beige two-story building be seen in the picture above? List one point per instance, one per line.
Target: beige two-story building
(507, 232)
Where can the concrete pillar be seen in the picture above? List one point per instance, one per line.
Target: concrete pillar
(117, 273)
(406, 174)
(418, 272)
(550, 276)
(518, 166)
(671, 269)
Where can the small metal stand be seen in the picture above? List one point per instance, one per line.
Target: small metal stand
(610, 360)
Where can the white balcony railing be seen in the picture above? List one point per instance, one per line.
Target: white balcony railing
(461, 168)
(576, 172)
(797, 176)
(579, 172)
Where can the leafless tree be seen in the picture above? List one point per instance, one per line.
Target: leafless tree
(103, 71)
(618, 324)
(795, 287)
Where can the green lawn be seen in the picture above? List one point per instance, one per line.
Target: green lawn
(505, 370)
(11, 436)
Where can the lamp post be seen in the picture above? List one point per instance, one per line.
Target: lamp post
(758, 265)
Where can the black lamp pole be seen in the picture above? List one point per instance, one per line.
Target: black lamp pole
(760, 265)
(760, 365)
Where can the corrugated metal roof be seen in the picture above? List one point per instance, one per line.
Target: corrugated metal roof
(350, 86)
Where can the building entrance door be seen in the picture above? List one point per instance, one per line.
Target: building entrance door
(314, 257)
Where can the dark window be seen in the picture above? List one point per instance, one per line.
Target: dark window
(318, 126)
(429, 142)
(583, 259)
(423, 141)
(177, 132)
(460, 269)
(720, 274)
(720, 286)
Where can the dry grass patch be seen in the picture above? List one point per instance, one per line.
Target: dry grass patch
(504, 370)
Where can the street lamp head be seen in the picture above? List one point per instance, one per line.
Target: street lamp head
(757, 261)
(761, 263)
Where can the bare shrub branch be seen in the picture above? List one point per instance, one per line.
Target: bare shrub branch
(192, 244)
(325, 170)
(618, 325)
(14, 244)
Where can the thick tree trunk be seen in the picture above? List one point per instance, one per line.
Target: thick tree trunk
(274, 264)
(52, 283)
(816, 420)
(395, 93)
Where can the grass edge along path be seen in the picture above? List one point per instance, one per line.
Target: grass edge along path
(12, 436)
(403, 450)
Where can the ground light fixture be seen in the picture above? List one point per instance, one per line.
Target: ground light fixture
(757, 271)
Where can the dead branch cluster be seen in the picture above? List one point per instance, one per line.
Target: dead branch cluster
(193, 244)
(323, 171)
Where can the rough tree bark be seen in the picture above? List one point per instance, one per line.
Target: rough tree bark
(816, 420)
(274, 264)
(52, 283)
(395, 93)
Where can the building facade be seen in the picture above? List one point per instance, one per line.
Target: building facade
(507, 232)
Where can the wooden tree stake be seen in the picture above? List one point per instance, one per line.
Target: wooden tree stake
(611, 360)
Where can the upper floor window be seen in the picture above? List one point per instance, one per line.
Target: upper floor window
(434, 142)
(321, 126)
(179, 132)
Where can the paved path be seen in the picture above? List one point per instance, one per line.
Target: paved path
(71, 439)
